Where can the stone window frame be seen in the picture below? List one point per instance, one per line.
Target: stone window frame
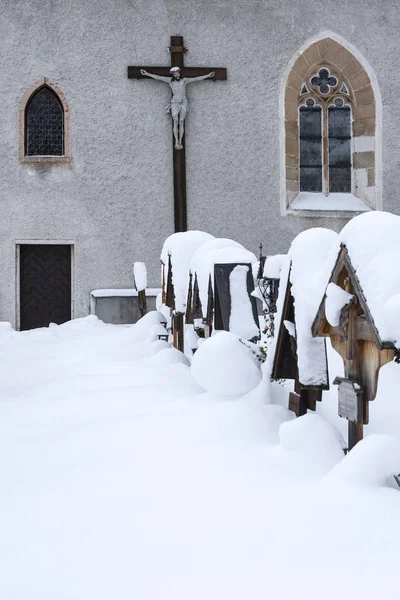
(25, 159)
(331, 51)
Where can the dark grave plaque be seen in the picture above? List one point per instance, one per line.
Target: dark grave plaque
(222, 294)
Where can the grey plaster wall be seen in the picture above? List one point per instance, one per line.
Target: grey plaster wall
(115, 199)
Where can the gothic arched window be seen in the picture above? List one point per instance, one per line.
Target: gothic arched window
(324, 134)
(44, 125)
(332, 131)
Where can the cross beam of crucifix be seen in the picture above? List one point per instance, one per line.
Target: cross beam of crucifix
(177, 51)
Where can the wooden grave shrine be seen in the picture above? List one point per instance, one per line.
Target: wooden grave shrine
(358, 342)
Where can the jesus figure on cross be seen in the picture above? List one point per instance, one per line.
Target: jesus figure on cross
(178, 106)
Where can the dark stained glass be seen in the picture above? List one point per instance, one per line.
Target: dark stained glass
(44, 125)
(339, 133)
(310, 148)
(324, 81)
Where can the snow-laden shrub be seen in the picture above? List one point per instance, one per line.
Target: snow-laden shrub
(224, 365)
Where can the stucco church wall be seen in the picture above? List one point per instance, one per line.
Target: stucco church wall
(115, 198)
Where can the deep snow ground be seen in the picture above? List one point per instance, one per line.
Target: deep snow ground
(120, 478)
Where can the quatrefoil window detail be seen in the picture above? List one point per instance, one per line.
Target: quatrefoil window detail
(324, 81)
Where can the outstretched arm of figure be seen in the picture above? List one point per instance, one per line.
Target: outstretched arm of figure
(200, 77)
(158, 77)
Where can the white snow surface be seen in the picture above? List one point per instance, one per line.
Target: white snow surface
(108, 293)
(241, 320)
(216, 251)
(372, 241)
(309, 261)
(121, 478)
(336, 300)
(140, 276)
(273, 266)
(181, 247)
(333, 202)
(224, 365)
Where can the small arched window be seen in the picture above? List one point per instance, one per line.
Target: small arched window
(44, 124)
(44, 120)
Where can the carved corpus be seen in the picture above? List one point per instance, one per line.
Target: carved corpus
(356, 339)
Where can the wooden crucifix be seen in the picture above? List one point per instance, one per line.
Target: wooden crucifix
(177, 75)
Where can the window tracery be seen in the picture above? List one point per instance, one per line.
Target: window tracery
(324, 133)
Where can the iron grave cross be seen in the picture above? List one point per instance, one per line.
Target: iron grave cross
(178, 76)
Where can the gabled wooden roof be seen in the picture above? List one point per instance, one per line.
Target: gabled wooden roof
(343, 268)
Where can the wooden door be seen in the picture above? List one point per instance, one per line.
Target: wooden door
(45, 285)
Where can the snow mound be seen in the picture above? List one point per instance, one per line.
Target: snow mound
(370, 462)
(6, 328)
(313, 436)
(273, 266)
(154, 331)
(224, 365)
(141, 330)
(168, 356)
(140, 276)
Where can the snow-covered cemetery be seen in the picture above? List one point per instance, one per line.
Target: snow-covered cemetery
(200, 300)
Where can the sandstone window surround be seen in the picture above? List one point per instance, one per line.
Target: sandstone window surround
(45, 142)
(331, 137)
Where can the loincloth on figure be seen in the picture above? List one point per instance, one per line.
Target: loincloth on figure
(175, 107)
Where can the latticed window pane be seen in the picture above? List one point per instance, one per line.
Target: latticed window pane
(339, 132)
(310, 148)
(44, 125)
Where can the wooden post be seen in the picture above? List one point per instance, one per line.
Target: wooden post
(142, 302)
(179, 157)
(179, 330)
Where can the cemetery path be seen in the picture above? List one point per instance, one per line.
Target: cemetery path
(122, 479)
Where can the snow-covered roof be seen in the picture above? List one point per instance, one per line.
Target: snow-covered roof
(372, 241)
(216, 251)
(308, 264)
(181, 247)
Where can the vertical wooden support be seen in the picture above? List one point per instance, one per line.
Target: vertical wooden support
(142, 302)
(179, 330)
